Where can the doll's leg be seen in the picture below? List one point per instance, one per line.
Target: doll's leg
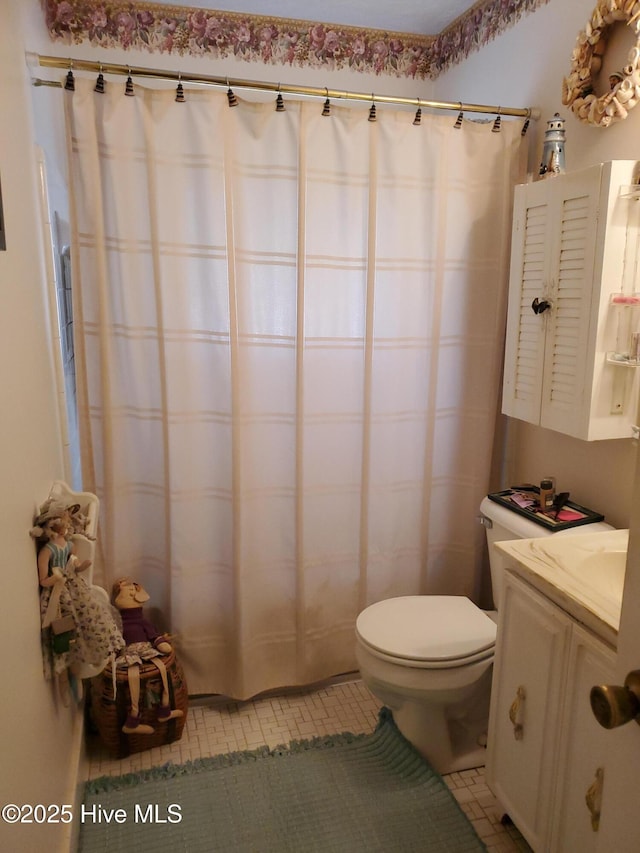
(132, 724)
(164, 711)
(75, 683)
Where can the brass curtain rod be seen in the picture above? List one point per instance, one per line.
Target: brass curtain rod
(284, 89)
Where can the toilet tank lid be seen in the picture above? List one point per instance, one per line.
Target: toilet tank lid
(427, 627)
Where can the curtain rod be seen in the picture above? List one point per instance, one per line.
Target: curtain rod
(284, 89)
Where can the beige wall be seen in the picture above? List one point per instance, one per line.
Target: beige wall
(39, 740)
(525, 67)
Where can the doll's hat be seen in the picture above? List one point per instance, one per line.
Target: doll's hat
(140, 595)
(48, 512)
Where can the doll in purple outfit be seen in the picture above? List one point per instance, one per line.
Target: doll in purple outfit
(144, 644)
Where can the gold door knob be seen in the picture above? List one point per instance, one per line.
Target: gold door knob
(613, 705)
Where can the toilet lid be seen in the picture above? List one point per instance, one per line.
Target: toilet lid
(429, 628)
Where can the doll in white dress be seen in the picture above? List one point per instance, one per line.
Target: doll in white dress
(64, 593)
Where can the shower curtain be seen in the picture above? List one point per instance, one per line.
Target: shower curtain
(289, 331)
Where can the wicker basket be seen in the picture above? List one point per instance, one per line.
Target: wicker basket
(109, 714)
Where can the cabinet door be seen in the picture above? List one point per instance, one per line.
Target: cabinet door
(528, 280)
(584, 744)
(553, 251)
(525, 704)
(565, 403)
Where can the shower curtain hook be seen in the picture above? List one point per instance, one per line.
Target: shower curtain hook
(372, 111)
(458, 123)
(99, 87)
(418, 117)
(231, 98)
(326, 109)
(497, 122)
(70, 83)
(179, 90)
(128, 89)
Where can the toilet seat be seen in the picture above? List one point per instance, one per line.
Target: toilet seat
(427, 631)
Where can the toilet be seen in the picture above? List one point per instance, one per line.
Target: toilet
(429, 658)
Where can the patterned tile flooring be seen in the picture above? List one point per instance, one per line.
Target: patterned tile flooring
(215, 725)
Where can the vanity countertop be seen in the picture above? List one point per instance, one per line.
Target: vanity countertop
(582, 574)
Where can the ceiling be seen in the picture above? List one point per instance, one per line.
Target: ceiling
(421, 17)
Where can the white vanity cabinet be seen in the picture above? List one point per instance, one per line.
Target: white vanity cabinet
(544, 745)
(573, 246)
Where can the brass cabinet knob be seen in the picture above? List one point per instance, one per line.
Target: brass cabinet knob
(613, 705)
(516, 713)
(593, 798)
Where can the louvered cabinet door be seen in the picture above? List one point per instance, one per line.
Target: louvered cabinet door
(565, 402)
(529, 280)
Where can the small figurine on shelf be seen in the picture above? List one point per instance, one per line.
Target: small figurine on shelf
(553, 159)
(77, 627)
(144, 644)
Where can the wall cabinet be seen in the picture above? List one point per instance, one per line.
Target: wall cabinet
(574, 244)
(546, 752)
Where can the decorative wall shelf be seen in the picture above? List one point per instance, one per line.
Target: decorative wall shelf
(620, 361)
(632, 192)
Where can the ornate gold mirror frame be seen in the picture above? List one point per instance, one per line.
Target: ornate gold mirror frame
(586, 62)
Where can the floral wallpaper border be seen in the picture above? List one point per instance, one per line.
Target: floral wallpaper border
(278, 41)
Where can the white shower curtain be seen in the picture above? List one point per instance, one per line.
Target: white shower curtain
(289, 331)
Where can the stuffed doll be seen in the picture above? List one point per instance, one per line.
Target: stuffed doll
(79, 521)
(144, 644)
(77, 627)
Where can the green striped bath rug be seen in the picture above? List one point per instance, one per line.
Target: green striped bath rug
(337, 794)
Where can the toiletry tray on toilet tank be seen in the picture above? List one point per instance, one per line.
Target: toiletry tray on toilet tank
(571, 515)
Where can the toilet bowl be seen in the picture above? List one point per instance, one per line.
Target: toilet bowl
(429, 658)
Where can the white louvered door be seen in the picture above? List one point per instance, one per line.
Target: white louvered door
(575, 220)
(529, 279)
(570, 249)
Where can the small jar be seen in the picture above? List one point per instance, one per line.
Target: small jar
(547, 493)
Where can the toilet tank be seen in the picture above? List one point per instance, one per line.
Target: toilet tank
(502, 525)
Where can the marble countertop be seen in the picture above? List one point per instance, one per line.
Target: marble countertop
(582, 574)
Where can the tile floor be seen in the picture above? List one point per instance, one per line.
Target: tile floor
(215, 725)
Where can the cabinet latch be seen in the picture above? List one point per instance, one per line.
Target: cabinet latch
(539, 306)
